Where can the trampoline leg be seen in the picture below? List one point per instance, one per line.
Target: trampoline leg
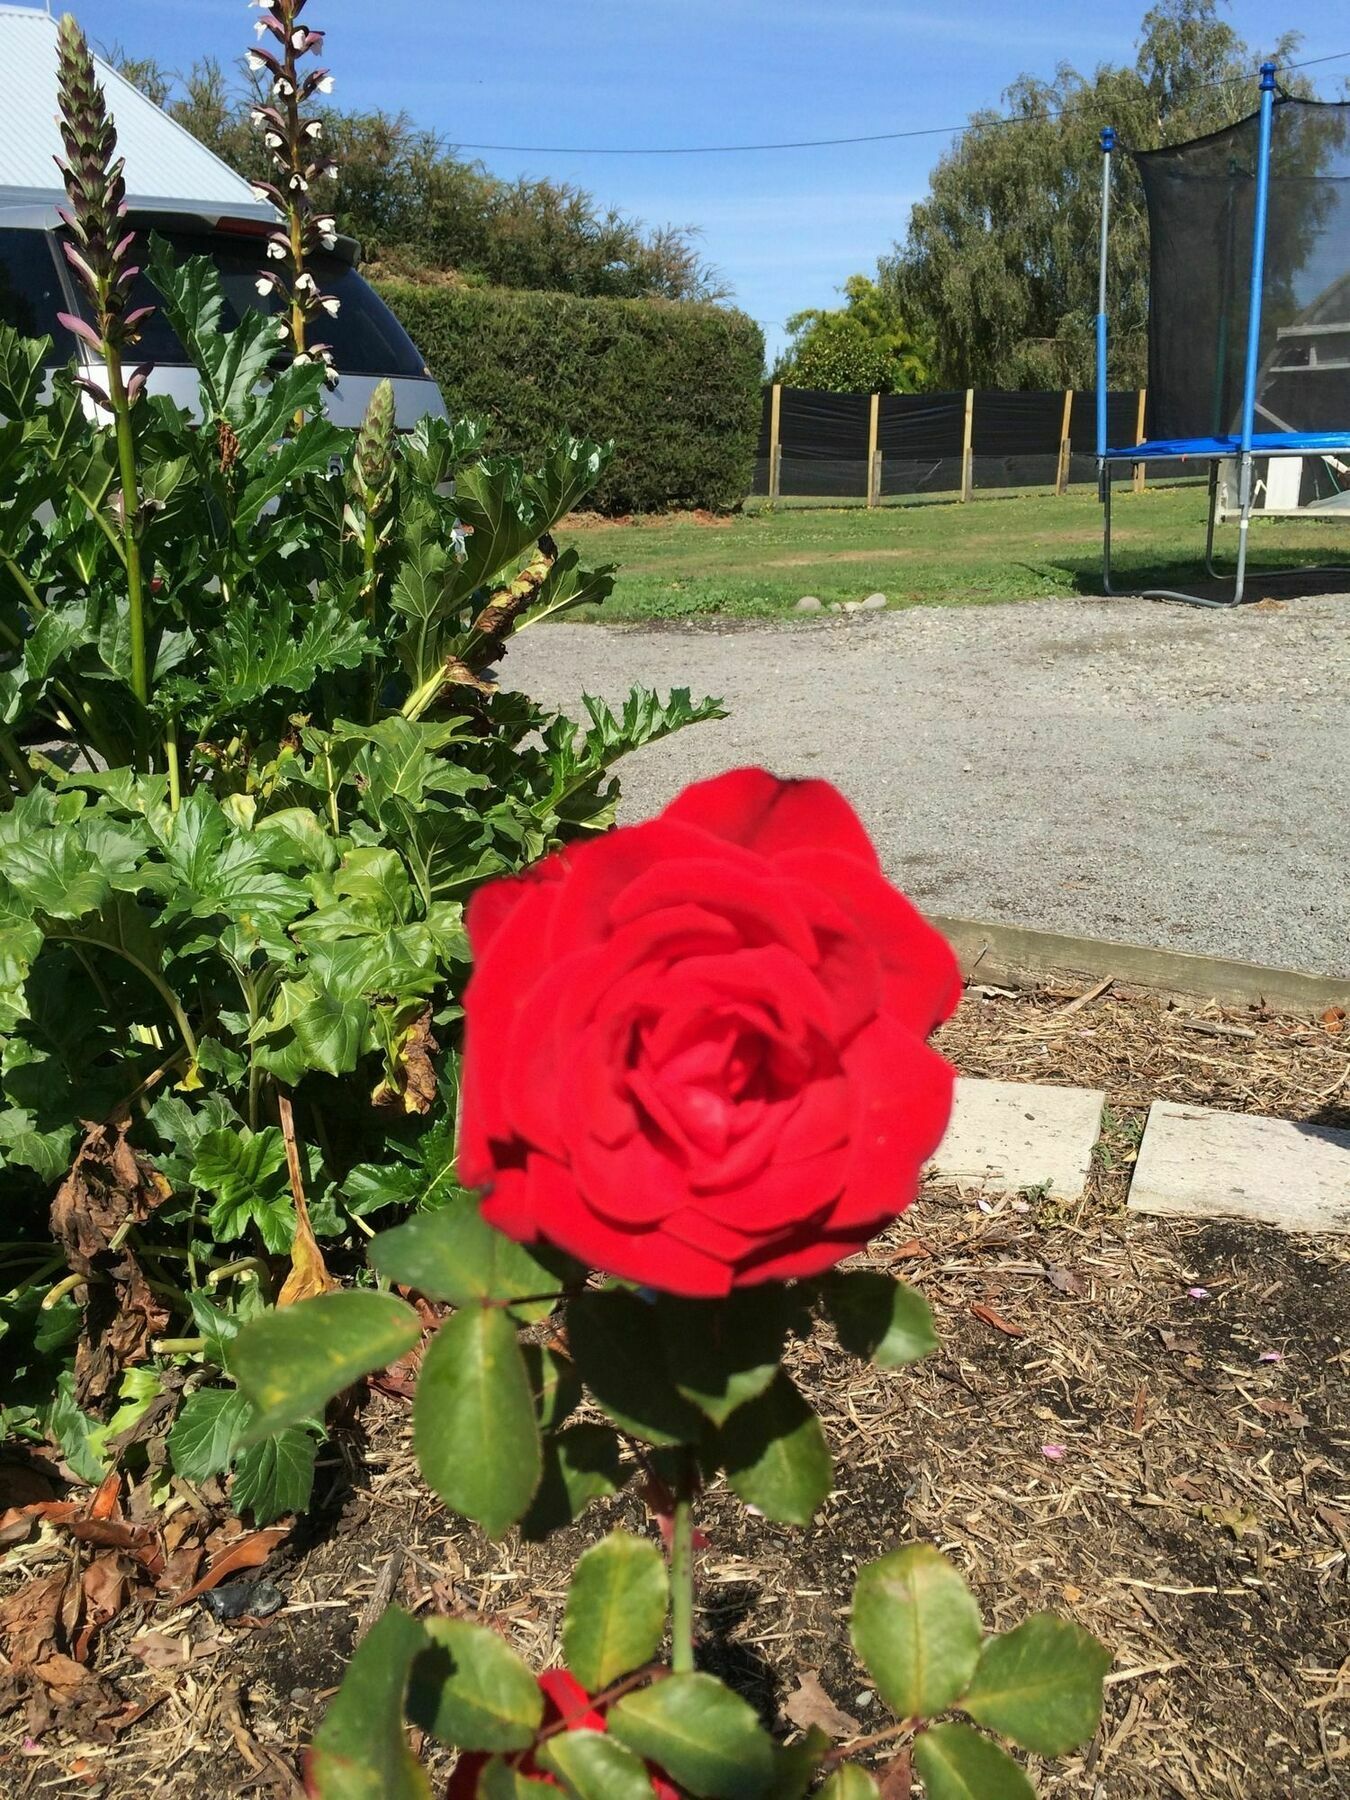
(1244, 522)
(1106, 531)
(1209, 530)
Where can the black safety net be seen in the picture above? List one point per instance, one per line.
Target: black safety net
(1201, 206)
(1015, 441)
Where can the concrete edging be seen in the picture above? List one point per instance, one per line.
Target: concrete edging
(1016, 956)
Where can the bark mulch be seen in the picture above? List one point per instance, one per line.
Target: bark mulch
(1137, 1423)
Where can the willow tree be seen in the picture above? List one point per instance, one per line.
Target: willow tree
(1000, 260)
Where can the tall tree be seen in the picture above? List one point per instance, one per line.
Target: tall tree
(999, 262)
(865, 347)
(420, 211)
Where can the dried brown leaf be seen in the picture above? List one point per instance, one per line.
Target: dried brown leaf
(245, 1553)
(811, 1705)
(999, 1323)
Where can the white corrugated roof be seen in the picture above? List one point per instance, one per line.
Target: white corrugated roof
(165, 164)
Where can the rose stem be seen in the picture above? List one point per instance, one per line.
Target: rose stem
(682, 1576)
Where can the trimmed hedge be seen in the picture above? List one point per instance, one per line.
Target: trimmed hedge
(676, 385)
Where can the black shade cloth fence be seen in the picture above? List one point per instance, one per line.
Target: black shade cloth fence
(1015, 440)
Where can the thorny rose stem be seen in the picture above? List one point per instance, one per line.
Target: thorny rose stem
(682, 1575)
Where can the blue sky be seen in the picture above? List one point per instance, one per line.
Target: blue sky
(785, 228)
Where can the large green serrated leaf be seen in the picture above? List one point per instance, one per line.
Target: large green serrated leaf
(956, 1763)
(454, 1254)
(595, 1766)
(22, 366)
(615, 1339)
(275, 1476)
(1040, 1684)
(917, 1630)
(616, 1610)
(244, 1174)
(474, 1424)
(879, 1318)
(361, 1751)
(707, 1739)
(290, 1363)
(207, 1431)
(470, 1688)
(775, 1455)
(722, 1353)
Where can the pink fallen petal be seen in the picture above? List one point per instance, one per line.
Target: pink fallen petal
(1271, 1356)
(1055, 1452)
(1198, 1293)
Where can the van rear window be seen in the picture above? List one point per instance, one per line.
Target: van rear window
(31, 294)
(365, 337)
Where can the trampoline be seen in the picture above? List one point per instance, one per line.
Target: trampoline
(1249, 317)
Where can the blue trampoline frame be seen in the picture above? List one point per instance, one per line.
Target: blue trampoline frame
(1244, 445)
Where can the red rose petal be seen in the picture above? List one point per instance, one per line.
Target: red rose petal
(921, 976)
(761, 908)
(756, 809)
(782, 1194)
(902, 1092)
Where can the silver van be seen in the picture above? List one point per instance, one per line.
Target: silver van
(177, 188)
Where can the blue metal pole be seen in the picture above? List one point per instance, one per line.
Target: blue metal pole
(1253, 367)
(1108, 145)
(1258, 272)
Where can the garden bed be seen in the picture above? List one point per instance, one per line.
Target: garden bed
(1096, 1435)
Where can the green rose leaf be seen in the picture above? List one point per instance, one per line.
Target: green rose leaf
(499, 1781)
(616, 1340)
(707, 1739)
(1040, 1684)
(595, 1766)
(796, 1765)
(290, 1363)
(878, 1318)
(454, 1254)
(360, 1751)
(470, 1688)
(474, 1424)
(917, 1630)
(775, 1455)
(554, 1382)
(722, 1353)
(849, 1783)
(581, 1463)
(956, 1763)
(616, 1610)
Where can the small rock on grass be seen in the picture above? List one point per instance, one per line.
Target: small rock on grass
(809, 603)
(874, 603)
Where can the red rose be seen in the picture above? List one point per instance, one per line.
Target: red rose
(695, 1050)
(566, 1703)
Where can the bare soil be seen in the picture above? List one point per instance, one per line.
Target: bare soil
(1152, 1439)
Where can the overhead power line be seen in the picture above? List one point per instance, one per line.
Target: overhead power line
(873, 137)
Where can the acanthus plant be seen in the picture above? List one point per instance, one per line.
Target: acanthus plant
(255, 767)
(294, 139)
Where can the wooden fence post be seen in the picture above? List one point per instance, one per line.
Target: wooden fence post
(1139, 438)
(775, 449)
(1065, 450)
(873, 457)
(967, 460)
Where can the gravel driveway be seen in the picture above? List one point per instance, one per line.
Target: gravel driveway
(1123, 769)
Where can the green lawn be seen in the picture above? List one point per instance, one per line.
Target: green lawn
(1020, 547)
